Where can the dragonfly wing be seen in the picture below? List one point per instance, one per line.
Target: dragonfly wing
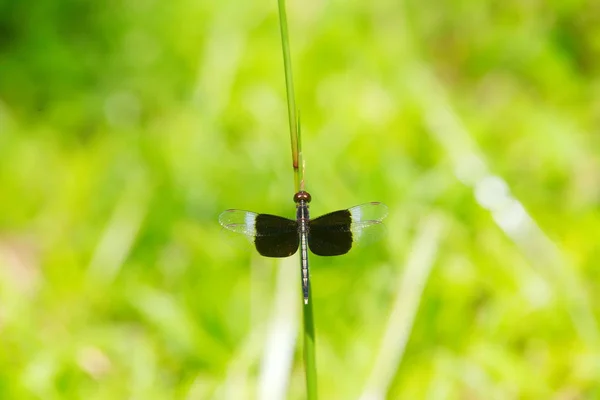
(239, 221)
(273, 236)
(329, 234)
(367, 226)
(276, 236)
(337, 232)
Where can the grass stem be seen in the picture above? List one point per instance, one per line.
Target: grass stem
(310, 366)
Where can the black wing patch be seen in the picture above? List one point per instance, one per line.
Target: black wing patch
(276, 236)
(330, 234)
(336, 233)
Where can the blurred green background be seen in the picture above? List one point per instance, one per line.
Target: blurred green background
(127, 127)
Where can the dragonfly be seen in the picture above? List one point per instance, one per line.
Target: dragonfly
(331, 234)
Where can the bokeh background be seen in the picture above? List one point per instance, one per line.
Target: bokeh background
(127, 127)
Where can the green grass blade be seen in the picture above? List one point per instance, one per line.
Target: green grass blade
(291, 100)
(310, 366)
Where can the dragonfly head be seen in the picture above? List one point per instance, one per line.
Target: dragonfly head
(302, 196)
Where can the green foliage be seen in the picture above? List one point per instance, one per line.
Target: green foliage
(127, 127)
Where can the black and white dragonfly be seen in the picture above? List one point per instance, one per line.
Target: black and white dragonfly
(331, 234)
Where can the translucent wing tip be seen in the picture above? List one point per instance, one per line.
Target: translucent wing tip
(383, 209)
(224, 217)
(238, 221)
(373, 211)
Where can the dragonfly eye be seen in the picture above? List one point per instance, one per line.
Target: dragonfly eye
(302, 196)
